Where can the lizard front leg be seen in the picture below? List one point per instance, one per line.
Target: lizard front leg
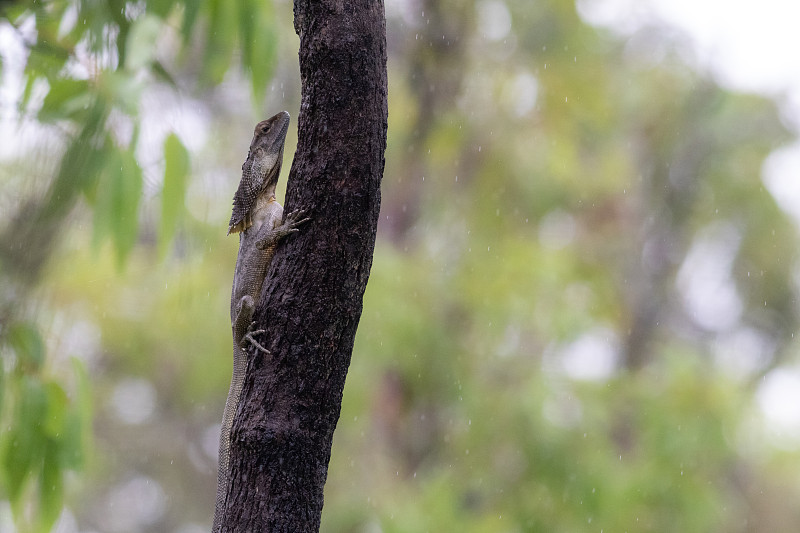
(290, 225)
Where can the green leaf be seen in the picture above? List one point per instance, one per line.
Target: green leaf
(27, 91)
(2, 392)
(122, 89)
(126, 194)
(47, 61)
(24, 442)
(77, 437)
(248, 15)
(101, 197)
(162, 74)
(67, 98)
(160, 8)
(24, 338)
(83, 161)
(259, 45)
(51, 488)
(173, 194)
(16, 459)
(54, 422)
(221, 36)
(13, 11)
(117, 203)
(141, 44)
(190, 12)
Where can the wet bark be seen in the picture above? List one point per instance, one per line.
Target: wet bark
(312, 298)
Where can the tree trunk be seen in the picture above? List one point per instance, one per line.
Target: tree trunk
(312, 297)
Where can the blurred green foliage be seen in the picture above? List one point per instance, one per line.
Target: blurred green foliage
(45, 429)
(93, 60)
(546, 342)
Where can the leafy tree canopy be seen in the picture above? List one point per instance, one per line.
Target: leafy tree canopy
(580, 290)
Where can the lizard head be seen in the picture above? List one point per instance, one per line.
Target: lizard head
(261, 169)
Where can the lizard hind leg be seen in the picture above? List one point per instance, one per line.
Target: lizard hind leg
(243, 325)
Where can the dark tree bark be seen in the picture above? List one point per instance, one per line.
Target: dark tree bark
(312, 298)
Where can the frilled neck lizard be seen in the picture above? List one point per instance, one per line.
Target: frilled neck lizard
(257, 219)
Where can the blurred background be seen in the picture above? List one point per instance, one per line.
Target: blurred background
(583, 301)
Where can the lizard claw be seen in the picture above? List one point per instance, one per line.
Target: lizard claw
(249, 337)
(299, 222)
(294, 219)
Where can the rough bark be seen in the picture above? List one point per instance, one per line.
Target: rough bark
(312, 297)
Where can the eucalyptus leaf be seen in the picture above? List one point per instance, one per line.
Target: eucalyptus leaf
(65, 99)
(23, 443)
(162, 74)
(3, 388)
(126, 193)
(73, 446)
(142, 41)
(16, 460)
(221, 36)
(117, 203)
(27, 343)
(83, 409)
(173, 194)
(259, 44)
(248, 15)
(123, 90)
(54, 423)
(51, 487)
(191, 9)
(161, 8)
(101, 195)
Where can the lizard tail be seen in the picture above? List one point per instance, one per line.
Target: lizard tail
(223, 473)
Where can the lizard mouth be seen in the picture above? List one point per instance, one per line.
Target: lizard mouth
(281, 138)
(271, 180)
